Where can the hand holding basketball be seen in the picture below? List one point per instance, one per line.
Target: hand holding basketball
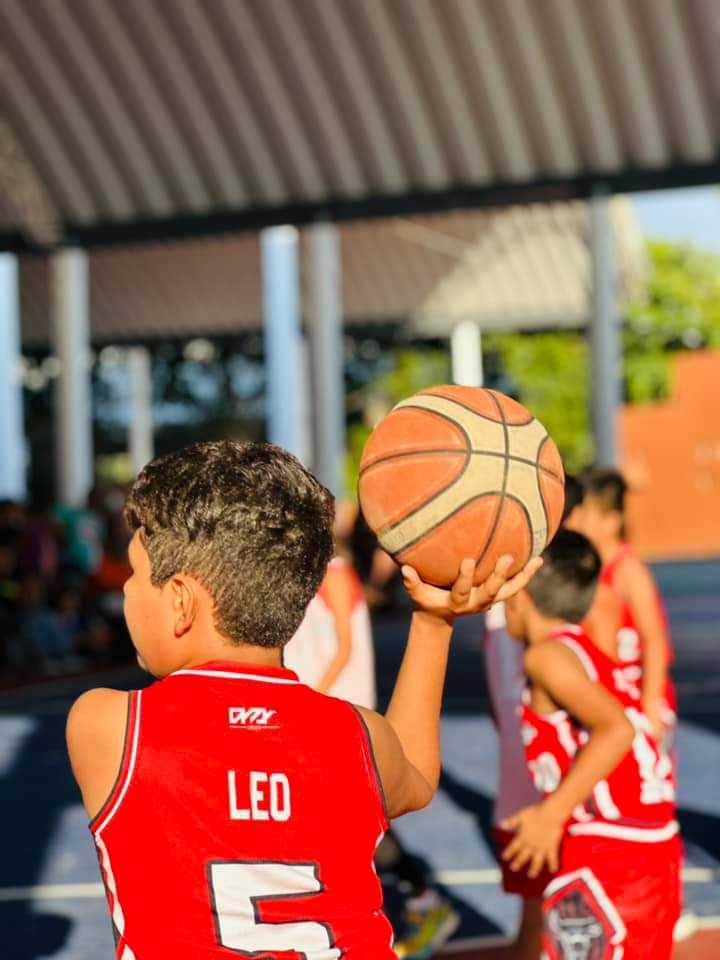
(468, 595)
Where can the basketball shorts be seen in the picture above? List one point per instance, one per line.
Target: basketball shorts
(518, 882)
(613, 900)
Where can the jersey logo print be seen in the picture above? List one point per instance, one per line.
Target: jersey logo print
(581, 922)
(251, 717)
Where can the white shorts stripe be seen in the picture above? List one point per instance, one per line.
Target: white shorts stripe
(617, 831)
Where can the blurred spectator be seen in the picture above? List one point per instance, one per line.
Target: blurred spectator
(62, 572)
(39, 548)
(107, 582)
(82, 533)
(39, 641)
(378, 571)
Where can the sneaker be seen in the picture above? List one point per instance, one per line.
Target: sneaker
(428, 923)
(687, 926)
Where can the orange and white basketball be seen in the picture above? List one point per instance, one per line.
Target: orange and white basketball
(456, 472)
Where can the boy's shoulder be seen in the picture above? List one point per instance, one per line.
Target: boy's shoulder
(564, 648)
(97, 713)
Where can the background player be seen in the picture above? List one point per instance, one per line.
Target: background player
(617, 892)
(221, 796)
(601, 518)
(506, 681)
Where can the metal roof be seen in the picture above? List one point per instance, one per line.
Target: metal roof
(150, 120)
(524, 267)
(531, 268)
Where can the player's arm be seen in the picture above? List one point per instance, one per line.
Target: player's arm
(603, 620)
(556, 670)
(338, 595)
(95, 735)
(406, 741)
(636, 583)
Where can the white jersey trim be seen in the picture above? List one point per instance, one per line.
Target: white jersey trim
(582, 656)
(130, 770)
(228, 675)
(616, 831)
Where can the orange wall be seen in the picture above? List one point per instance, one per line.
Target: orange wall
(672, 462)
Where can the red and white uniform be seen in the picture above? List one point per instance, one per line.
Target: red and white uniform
(505, 674)
(617, 894)
(314, 646)
(243, 823)
(629, 640)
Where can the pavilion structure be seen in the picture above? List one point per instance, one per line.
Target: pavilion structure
(131, 124)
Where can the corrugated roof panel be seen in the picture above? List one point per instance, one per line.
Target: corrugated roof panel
(170, 113)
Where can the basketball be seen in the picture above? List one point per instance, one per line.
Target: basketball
(455, 472)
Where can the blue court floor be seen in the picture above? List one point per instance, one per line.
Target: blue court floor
(51, 903)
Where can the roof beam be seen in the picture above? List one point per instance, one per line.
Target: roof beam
(112, 233)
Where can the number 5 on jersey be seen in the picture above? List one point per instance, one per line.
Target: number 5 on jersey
(238, 889)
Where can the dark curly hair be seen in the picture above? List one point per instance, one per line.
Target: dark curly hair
(607, 487)
(564, 586)
(249, 521)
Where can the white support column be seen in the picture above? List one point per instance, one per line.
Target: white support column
(326, 333)
(604, 335)
(141, 440)
(12, 430)
(283, 339)
(69, 299)
(466, 354)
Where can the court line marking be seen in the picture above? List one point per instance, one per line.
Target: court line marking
(458, 878)
(472, 943)
(472, 878)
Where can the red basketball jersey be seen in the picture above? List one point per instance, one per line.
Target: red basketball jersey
(243, 823)
(637, 800)
(629, 639)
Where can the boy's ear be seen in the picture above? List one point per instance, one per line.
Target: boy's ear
(184, 603)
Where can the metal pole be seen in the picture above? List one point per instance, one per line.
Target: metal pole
(466, 354)
(12, 430)
(141, 442)
(327, 355)
(73, 395)
(604, 335)
(283, 345)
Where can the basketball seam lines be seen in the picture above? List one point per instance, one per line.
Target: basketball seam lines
(483, 416)
(443, 450)
(503, 492)
(540, 492)
(468, 457)
(479, 496)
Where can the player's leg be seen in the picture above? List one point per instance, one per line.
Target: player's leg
(424, 919)
(612, 894)
(528, 942)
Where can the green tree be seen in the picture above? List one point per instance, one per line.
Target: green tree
(405, 371)
(550, 372)
(679, 310)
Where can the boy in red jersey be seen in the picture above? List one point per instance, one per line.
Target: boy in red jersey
(607, 825)
(644, 638)
(236, 811)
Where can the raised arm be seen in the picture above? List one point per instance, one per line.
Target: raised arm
(636, 583)
(338, 595)
(407, 740)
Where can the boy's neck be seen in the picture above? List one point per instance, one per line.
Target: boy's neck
(237, 653)
(539, 627)
(607, 547)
